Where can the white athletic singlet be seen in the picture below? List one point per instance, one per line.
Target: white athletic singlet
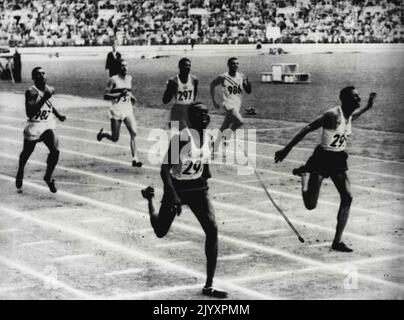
(192, 158)
(122, 84)
(185, 91)
(41, 121)
(44, 114)
(232, 90)
(335, 139)
(121, 107)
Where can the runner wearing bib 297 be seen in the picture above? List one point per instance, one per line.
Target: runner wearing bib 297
(182, 89)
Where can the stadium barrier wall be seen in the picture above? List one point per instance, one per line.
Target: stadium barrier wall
(91, 53)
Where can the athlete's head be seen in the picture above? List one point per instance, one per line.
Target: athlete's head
(113, 47)
(198, 115)
(184, 65)
(123, 67)
(350, 98)
(38, 75)
(232, 64)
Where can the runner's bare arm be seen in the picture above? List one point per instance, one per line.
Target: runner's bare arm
(58, 115)
(171, 89)
(109, 94)
(359, 112)
(166, 175)
(195, 88)
(247, 85)
(213, 85)
(281, 154)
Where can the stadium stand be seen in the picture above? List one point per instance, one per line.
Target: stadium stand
(135, 22)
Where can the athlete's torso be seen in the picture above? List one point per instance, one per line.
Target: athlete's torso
(119, 84)
(185, 94)
(232, 89)
(336, 139)
(44, 114)
(192, 159)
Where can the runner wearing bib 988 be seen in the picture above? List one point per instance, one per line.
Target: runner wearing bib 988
(118, 91)
(329, 159)
(233, 85)
(182, 88)
(41, 112)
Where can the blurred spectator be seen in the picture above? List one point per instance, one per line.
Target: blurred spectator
(135, 22)
(17, 66)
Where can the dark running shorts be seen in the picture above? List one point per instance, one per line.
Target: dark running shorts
(325, 162)
(198, 201)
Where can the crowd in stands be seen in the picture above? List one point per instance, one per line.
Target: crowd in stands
(148, 22)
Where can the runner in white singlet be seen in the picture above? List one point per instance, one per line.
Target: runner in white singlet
(329, 159)
(233, 85)
(182, 89)
(41, 112)
(118, 91)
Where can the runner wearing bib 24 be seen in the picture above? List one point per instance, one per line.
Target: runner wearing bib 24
(329, 159)
(185, 172)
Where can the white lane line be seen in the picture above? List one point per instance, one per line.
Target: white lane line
(373, 189)
(271, 231)
(275, 129)
(221, 194)
(227, 220)
(281, 193)
(193, 230)
(295, 272)
(319, 245)
(36, 243)
(258, 156)
(266, 215)
(47, 279)
(95, 220)
(14, 288)
(73, 257)
(240, 153)
(143, 230)
(143, 294)
(276, 274)
(264, 179)
(299, 197)
(233, 257)
(174, 244)
(162, 263)
(9, 230)
(257, 143)
(124, 272)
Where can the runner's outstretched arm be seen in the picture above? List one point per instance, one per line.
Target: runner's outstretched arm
(359, 112)
(281, 154)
